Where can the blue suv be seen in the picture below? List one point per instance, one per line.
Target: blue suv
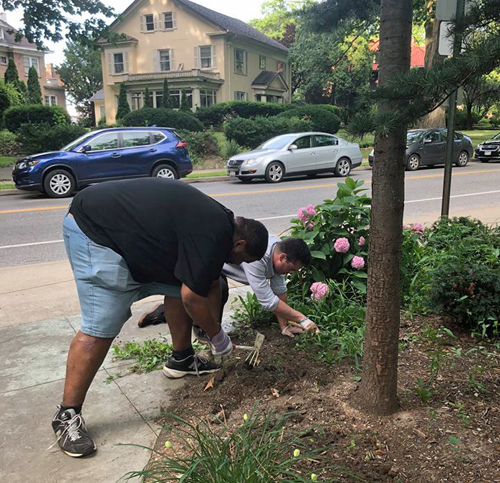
(108, 154)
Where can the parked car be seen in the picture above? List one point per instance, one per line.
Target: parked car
(308, 153)
(489, 150)
(108, 154)
(425, 147)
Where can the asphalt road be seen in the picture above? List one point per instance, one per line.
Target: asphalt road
(30, 224)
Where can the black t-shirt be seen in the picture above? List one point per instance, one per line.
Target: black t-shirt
(166, 230)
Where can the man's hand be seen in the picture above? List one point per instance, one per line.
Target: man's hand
(221, 346)
(309, 326)
(291, 330)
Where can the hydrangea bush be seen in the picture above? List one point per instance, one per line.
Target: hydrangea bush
(337, 235)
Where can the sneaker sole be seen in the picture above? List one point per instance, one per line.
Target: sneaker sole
(141, 322)
(77, 455)
(174, 374)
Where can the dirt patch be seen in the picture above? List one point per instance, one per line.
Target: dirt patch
(455, 437)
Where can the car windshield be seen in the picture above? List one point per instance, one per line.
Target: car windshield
(496, 137)
(278, 142)
(78, 141)
(413, 137)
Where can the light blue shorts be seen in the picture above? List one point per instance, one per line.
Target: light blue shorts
(105, 285)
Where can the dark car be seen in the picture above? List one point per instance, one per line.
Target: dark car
(425, 147)
(104, 155)
(489, 150)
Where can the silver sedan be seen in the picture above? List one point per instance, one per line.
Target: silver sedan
(295, 154)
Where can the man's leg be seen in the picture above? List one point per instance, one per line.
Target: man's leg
(179, 323)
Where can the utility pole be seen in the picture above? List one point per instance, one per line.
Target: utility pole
(452, 108)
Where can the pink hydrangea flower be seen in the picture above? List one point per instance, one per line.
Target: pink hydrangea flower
(358, 263)
(341, 245)
(318, 290)
(310, 210)
(361, 241)
(310, 225)
(417, 228)
(302, 216)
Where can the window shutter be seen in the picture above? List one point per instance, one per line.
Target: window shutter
(111, 67)
(125, 63)
(214, 56)
(143, 23)
(246, 62)
(157, 21)
(174, 21)
(156, 61)
(172, 60)
(196, 57)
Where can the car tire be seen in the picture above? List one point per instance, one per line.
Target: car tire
(275, 172)
(165, 171)
(245, 180)
(463, 159)
(343, 167)
(413, 162)
(59, 184)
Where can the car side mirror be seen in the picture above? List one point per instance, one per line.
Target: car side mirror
(293, 147)
(86, 148)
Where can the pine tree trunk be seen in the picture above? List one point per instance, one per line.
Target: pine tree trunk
(378, 389)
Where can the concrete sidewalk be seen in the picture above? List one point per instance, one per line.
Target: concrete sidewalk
(34, 350)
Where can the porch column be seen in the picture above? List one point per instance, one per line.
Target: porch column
(196, 98)
(263, 98)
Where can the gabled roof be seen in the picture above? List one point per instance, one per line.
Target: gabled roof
(229, 24)
(10, 40)
(98, 96)
(123, 38)
(266, 78)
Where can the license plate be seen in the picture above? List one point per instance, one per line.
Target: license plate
(232, 174)
(487, 153)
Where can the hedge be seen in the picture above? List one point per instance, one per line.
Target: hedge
(9, 145)
(16, 116)
(323, 118)
(253, 132)
(162, 118)
(201, 145)
(40, 138)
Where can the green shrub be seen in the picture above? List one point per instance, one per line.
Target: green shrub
(253, 132)
(9, 145)
(323, 117)
(40, 138)
(336, 232)
(163, 118)
(16, 116)
(232, 148)
(461, 118)
(201, 145)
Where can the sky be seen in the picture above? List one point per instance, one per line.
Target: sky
(243, 10)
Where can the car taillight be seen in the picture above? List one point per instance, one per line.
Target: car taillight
(181, 144)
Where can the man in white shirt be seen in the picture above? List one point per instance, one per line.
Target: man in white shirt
(266, 277)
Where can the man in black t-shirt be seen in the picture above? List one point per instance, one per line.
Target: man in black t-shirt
(127, 240)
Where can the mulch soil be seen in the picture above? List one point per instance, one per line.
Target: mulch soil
(454, 437)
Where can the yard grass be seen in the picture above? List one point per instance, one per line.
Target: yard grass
(6, 161)
(478, 136)
(206, 175)
(7, 186)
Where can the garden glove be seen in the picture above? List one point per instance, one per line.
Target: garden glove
(290, 330)
(308, 325)
(221, 346)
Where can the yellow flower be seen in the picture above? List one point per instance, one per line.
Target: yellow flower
(245, 417)
(296, 453)
(168, 444)
(314, 477)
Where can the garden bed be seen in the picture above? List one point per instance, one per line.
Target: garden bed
(454, 436)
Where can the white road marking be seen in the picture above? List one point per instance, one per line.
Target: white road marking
(269, 218)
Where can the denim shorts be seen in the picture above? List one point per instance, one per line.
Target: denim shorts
(105, 285)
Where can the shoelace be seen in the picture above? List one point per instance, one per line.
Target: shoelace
(197, 361)
(71, 429)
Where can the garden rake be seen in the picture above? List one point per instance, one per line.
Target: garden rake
(253, 357)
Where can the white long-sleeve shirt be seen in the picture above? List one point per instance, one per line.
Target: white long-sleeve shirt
(257, 274)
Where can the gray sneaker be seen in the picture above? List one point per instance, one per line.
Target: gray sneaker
(72, 434)
(192, 365)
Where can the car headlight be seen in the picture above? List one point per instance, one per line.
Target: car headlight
(252, 162)
(479, 146)
(27, 163)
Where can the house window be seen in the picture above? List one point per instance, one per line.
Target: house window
(102, 112)
(31, 62)
(168, 21)
(157, 98)
(262, 62)
(165, 58)
(206, 57)
(281, 67)
(50, 100)
(4, 60)
(240, 96)
(2, 35)
(175, 97)
(207, 97)
(240, 61)
(149, 22)
(137, 100)
(118, 62)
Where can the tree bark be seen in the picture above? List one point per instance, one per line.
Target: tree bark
(378, 389)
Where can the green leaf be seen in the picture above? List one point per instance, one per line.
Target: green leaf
(350, 183)
(360, 275)
(318, 275)
(316, 254)
(359, 285)
(348, 258)
(454, 441)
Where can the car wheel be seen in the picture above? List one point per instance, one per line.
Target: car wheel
(343, 167)
(413, 162)
(463, 159)
(165, 171)
(245, 180)
(275, 172)
(59, 184)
